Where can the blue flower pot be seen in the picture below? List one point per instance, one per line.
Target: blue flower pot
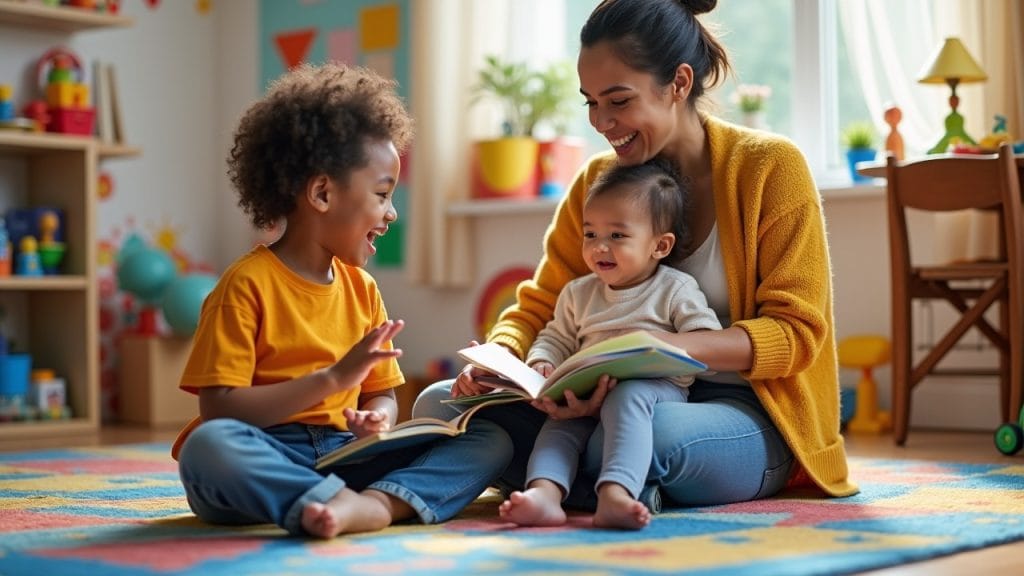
(859, 155)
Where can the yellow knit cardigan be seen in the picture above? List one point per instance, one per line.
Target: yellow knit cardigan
(777, 267)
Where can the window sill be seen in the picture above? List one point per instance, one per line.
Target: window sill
(546, 206)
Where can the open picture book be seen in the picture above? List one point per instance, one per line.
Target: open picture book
(403, 435)
(632, 355)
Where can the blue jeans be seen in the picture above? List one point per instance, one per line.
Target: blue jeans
(718, 448)
(626, 416)
(235, 473)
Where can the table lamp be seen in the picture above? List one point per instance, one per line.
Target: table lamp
(952, 64)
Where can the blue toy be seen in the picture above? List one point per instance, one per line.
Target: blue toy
(183, 300)
(28, 263)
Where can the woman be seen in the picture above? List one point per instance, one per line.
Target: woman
(769, 416)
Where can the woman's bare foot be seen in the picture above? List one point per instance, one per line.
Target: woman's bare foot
(538, 505)
(617, 509)
(347, 512)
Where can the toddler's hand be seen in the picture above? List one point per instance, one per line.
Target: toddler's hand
(353, 368)
(543, 368)
(365, 422)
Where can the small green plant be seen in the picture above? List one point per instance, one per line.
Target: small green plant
(529, 97)
(859, 136)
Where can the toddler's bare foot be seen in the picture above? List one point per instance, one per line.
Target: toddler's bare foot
(347, 512)
(538, 505)
(617, 509)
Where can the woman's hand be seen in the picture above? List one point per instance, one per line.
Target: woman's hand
(366, 422)
(575, 407)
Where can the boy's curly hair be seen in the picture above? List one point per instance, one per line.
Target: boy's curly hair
(313, 120)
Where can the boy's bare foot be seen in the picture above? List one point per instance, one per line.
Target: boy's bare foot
(538, 505)
(347, 512)
(617, 509)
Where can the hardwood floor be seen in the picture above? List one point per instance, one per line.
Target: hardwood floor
(921, 445)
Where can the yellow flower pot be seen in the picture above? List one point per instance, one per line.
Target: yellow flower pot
(505, 168)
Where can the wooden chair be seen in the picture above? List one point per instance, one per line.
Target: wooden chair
(945, 183)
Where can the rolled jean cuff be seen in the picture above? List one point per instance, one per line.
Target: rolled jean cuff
(322, 492)
(426, 514)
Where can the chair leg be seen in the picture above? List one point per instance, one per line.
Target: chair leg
(901, 368)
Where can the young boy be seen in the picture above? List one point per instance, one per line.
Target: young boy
(633, 234)
(292, 357)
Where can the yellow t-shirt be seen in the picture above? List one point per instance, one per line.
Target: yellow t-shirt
(263, 324)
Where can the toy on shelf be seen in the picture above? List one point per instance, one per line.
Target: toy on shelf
(51, 252)
(28, 258)
(991, 142)
(866, 353)
(6, 103)
(5, 250)
(67, 96)
(894, 141)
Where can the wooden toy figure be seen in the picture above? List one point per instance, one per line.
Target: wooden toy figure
(51, 252)
(894, 141)
(28, 258)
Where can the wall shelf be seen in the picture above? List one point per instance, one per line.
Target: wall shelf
(57, 18)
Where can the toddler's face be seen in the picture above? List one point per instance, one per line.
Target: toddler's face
(619, 244)
(365, 207)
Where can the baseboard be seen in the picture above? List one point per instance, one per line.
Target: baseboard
(956, 403)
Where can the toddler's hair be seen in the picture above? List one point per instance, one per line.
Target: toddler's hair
(314, 120)
(656, 188)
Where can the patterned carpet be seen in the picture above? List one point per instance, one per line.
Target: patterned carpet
(120, 510)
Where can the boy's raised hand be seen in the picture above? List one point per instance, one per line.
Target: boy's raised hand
(366, 422)
(352, 369)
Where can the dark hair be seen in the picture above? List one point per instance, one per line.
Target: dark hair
(656, 187)
(656, 36)
(313, 120)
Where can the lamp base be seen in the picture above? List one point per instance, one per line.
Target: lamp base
(954, 134)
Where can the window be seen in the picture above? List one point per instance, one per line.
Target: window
(793, 46)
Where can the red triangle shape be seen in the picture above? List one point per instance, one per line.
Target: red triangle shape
(294, 45)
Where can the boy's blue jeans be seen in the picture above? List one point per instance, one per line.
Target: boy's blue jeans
(236, 473)
(718, 448)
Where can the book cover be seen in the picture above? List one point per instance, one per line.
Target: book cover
(633, 355)
(403, 435)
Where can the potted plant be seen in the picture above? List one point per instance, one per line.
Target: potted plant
(531, 100)
(751, 99)
(859, 141)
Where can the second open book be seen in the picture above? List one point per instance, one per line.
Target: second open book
(632, 355)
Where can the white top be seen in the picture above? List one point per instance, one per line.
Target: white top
(588, 312)
(707, 266)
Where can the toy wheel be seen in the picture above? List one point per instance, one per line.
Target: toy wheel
(1009, 439)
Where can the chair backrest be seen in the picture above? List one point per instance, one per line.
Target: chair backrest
(949, 182)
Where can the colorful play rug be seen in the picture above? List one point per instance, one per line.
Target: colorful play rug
(120, 510)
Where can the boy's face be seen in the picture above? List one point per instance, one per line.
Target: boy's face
(364, 208)
(619, 244)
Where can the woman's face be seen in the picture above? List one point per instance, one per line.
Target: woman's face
(637, 116)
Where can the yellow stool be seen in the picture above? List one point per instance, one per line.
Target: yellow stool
(866, 353)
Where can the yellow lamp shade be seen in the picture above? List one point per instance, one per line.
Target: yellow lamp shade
(952, 61)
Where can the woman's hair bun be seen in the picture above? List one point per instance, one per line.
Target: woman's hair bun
(696, 7)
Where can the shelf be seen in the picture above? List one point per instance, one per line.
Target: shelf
(56, 282)
(27, 142)
(108, 151)
(503, 207)
(60, 19)
(40, 428)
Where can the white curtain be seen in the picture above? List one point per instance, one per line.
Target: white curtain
(892, 42)
(450, 39)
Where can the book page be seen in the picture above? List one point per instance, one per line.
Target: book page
(498, 359)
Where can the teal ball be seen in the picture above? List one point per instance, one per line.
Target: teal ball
(183, 301)
(146, 273)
